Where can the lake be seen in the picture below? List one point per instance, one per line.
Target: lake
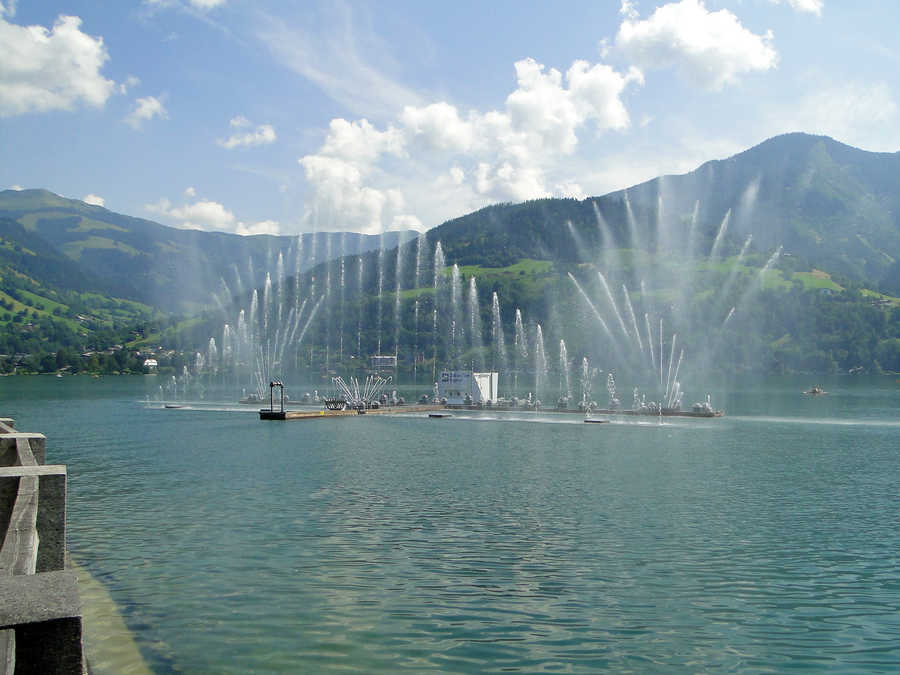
(766, 540)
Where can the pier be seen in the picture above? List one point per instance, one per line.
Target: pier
(266, 414)
(40, 612)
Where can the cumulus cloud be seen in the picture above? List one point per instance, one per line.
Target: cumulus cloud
(130, 83)
(439, 126)
(203, 214)
(497, 155)
(53, 69)
(94, 200)
(246, 135)
(145, 109)
(262, 227)
(339, 189)
(360, 141)
(811, 6)
(710, 49)
(206, 214)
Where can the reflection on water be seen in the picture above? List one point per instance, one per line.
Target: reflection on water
(765, 540)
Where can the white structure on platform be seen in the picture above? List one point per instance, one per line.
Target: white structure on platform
(463, 387)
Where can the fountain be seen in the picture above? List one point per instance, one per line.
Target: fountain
(636, 263)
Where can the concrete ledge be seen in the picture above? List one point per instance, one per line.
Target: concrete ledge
(7, 425)
(44, 611)
(7, 652)
(51, 509)
(22, 449)
(18, 551)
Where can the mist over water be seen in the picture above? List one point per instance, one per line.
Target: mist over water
(643, 269)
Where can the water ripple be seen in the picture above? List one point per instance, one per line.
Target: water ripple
(397, 544)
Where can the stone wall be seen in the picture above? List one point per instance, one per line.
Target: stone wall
(40, 614)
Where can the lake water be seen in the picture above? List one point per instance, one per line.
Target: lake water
(766, 540)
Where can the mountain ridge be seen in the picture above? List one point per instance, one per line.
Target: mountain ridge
(831, 204)
(173, 268)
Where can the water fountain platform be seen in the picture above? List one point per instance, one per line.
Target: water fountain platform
(266, 414)
(667, 412)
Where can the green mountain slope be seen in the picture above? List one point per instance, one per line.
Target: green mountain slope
(172, 268)
(29, 254)
(834, 206)
(52, 310)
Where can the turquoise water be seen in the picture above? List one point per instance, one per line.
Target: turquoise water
(764, 540)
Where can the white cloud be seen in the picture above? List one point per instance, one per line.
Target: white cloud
(263, 134)
(206, 214)
(864, 115)
(407, 222)
(52, 69)
(262, 227)
(340, 192)
(94, 200)
(130, 83)
(8, 9)
(203, 5)
(573, 190)
(498, 155)
(342, 56)
(811, 6)
(628, 10)
(207, 4)
(710, 49)
(145, 109)
(438, 125)
(360, 141)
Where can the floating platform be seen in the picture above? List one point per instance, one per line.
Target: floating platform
(266, 414)
(667, 412)
(439, 411)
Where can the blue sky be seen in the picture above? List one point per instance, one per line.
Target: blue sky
(281, 117)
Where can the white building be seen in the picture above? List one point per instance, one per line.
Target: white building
(461, 387)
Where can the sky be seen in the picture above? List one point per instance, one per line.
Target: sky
(258, 116)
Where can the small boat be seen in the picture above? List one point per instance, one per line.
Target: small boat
(172, 405)
(437, 415)
(815, 391)
(588, 420)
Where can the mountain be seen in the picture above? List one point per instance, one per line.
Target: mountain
(171, 268)
(30, 255)
(834, 206)
(694, 252)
